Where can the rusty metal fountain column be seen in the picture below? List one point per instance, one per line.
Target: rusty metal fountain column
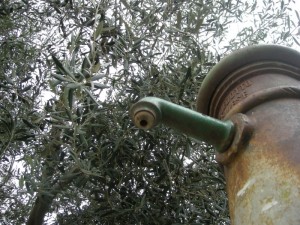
(263, 177)
(253, 96)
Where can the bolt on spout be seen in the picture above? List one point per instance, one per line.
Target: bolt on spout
(150, 111)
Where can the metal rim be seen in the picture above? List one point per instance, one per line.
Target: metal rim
(264, 96)
(238, 59)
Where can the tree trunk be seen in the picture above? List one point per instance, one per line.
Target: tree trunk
(39, 210)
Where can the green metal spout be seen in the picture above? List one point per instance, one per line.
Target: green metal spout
(150, 111)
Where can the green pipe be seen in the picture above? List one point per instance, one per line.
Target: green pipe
(150, 111)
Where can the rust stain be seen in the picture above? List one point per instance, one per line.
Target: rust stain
(262, 168)
(263, 179)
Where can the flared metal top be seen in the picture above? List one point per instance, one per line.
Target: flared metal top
(276, 56)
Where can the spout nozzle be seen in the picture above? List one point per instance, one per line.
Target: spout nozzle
(146, 113)
(144, 119)
(150, 111)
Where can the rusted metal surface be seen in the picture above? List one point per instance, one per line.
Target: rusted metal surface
(263, 170)
(243, 132)
(249, 82)
(240, 60)
(263, 180)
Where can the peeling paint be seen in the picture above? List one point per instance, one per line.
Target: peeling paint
(248, 184)
(263, 173)
(269, 205)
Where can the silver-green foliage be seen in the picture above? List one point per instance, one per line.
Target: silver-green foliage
(76, 155)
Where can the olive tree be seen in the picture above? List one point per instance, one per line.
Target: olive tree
(70, 72)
